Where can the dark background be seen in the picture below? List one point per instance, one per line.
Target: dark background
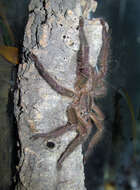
(119, 163)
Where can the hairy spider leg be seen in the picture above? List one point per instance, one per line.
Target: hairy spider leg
(46, 76)
(85, 49)
(81, 78)
(55, 133)
(71, 125)
(83, 67)
(104, 52)
(99, 74)
(70, 148)
(98, 112)
(83, 129)
(97, 136)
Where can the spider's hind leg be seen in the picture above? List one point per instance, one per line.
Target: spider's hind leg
(98, 135)
(79, 139)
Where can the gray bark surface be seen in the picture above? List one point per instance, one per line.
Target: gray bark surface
(51, 34)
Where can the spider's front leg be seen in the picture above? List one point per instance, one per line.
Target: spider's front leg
(46, 76)
(104, 53)
(56, 133)
(83, 67)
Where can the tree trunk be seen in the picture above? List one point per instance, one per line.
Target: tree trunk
(52, 34)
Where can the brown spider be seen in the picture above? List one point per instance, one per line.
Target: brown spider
(83, 110)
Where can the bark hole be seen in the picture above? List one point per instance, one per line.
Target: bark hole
(50, 145)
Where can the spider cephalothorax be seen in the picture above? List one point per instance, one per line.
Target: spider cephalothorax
(83, 110)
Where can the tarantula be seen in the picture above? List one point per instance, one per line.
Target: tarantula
(83, 111)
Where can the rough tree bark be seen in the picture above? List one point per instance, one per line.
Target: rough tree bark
(52, 34)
